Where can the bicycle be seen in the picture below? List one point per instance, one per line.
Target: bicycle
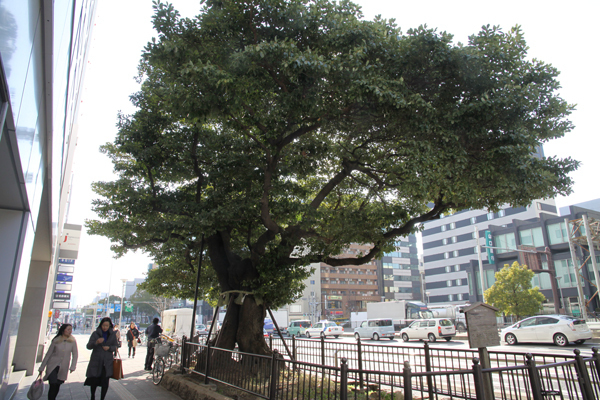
(165, 354)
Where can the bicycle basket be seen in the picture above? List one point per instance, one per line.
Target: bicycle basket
(162, 350)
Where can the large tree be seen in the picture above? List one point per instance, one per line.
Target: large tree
(275, 133)
(512, 292)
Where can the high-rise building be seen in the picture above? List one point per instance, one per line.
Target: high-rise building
(450, 257)
(348, 288)
(43, 53)
(398, 272)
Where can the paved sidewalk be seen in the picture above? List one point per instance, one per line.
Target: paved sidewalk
(137, 383)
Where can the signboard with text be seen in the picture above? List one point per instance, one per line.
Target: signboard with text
(489, 241)
(62, 296)
(64, 278)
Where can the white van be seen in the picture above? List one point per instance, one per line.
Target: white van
(430, 329)
(375, 329)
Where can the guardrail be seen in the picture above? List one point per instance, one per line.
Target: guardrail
(276, 377)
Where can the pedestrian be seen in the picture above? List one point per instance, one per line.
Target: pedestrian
(118, 333)
(103, 342)
(133, 335)
(153, 332)
(61, 353)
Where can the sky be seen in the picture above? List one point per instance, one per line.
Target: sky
(559, 33)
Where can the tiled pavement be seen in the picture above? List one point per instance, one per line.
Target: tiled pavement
(137, 383)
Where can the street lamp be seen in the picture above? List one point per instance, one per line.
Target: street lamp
(122, 295)
(562, 299)
(427, 294)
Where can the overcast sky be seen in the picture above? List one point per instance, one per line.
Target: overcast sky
(560, 33)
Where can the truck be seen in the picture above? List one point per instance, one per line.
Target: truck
(402, 312)
(454, 312)
(177, 322)
(281, 317)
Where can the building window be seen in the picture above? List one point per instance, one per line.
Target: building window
(457, 268)
(448, 269)
(557, 233)
(445, 241)
(455, 253)
(490, 216)
(454, 239)
(473, 220)
(452, 225)
(505, 243)
(458, 282)
(312, 294)
(312, 282)
(446, 255)
(459, 296)
(450, 297)
(532, 237)
(448, 283)
(501, 213)
(443, 228)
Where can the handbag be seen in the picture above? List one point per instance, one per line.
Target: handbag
(139, 340)
(117, 367)
(36, 389)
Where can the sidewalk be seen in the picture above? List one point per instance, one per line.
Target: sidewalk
(137, 383)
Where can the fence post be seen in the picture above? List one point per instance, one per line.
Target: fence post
(271, 341)
(534, 378)
(582, 376)
(428, 369)
(207, 364)
(274, 374)
(344, 379)
(478, 379)
(407, 376)
(294, 348)
(182, 362)
(596, 357)
(360, 363)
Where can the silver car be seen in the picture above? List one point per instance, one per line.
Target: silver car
(557, 329)
(430, 329)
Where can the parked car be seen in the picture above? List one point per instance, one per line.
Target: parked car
(323, 329)
(201, 329)
(375, 329)
(265, 333)
(430, 329)
(557, 329)
(298, 328)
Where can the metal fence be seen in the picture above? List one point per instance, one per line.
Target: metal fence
(378, 372)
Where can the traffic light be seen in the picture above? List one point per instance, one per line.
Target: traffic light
(50, 314)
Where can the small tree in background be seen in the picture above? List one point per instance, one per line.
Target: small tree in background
(512, 293)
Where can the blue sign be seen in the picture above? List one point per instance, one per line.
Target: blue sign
(489, 241)
(64, 278)
(117, 307)
(66, 261)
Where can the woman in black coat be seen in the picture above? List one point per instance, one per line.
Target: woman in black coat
(103, 342)
(132, 337)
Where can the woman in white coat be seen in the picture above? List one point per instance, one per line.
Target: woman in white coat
(60, 358)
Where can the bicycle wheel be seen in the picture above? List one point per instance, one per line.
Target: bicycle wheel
(158, 370)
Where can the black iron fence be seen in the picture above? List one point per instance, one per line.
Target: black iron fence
(367, 372)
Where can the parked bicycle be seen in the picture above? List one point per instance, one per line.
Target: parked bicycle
(166, 353)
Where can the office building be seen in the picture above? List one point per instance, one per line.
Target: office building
(450, 257)
(398, 274)
(43, 50)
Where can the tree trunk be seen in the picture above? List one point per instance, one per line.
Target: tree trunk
(243, 324)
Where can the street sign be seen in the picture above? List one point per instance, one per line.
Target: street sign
(66, 268)
(129, 308)
(62, 296)
(57, 313)
(490, 243)
(117, 308)
(64, 278)
(66, 261)
(60, 304)
(63, 286)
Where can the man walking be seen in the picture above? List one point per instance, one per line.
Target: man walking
(153, 332)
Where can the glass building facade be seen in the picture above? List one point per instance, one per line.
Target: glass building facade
(43, 51)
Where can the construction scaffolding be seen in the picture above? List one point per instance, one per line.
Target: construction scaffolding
(585, 234)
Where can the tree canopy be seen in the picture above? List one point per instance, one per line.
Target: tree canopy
(512, 293)
(275, 133)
